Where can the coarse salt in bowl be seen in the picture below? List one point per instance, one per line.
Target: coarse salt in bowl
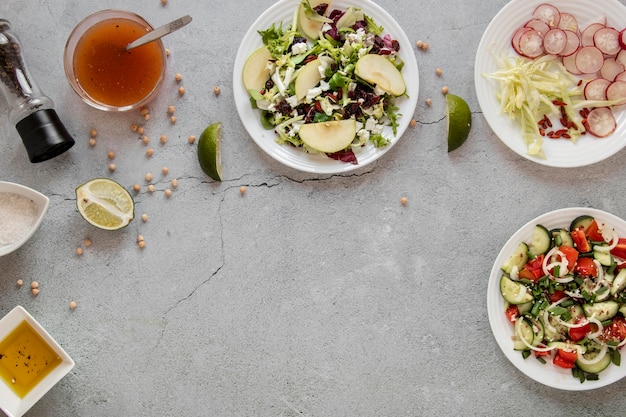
(21, 211)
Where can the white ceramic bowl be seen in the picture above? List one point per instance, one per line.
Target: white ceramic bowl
(10, 402)
(40, 200)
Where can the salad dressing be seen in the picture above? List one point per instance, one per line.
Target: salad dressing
(25, 359)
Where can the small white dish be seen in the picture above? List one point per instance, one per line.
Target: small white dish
(10, 402)
(40, 200)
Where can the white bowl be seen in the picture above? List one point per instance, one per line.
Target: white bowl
(10, 402)
(40, 200)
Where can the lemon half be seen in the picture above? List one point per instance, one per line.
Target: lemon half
(210, 151)
(459, 121)
(105, 204)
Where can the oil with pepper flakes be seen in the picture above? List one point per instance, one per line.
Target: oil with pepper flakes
(25, 359)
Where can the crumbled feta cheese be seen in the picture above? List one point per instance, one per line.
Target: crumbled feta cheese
(325, 62)
(312, 93)
(363, 134)
(292, 101)
(379, 91)
(299, 48)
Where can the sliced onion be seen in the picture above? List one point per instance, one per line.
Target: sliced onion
(562, 263)
(597, 332)
(546, 321)
(518, 334)
(610, 236)
(571, 325)
(598, 358)
(514, 275)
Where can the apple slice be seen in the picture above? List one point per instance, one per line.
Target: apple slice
(328, 137)
(378, 70)
(308, 77)
(309, 27)
(255, 72)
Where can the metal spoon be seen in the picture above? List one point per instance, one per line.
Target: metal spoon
(159, 32)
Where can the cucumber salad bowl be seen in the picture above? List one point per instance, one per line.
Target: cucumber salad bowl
(557, 298)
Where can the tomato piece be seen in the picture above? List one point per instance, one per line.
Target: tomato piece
(559, 360)
(512, 312)
(586, 267)
(526, 273)
(536, 266)
(579, 333)
(616, 331)
(593, 232)
(620, 250)
(580, 240)
(556, 296)
(542, 353)
(569, 355)
(571, 254)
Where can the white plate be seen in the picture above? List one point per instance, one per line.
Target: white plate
(497, 38)
(547, 374)
(10, 403)
(294, 157)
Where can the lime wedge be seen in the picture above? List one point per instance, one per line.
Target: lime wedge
(105, 204)
(209, 151)
(459, 121)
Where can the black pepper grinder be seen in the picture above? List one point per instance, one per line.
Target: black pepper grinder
(33, 114)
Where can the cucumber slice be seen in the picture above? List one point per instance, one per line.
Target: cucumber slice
(622, 310)
(540, 241)
(517, 259)
(582, 221)
(597, 367)
(603, 256)
(564, 236)
(556, 335)
(602, 311)
(514, 292)
(619, 283)
(526, 331)
(524, 308)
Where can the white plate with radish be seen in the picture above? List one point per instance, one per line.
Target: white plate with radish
(295, 157)
(502, 328)
(588, 41)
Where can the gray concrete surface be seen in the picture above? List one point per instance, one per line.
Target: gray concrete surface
(312, 295)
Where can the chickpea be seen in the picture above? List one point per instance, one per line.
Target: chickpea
(404, 201)
(145, 140)
(111, 155)
(149, 152)
(242, 190)
(148, 177)
(137, 188)
(34, 284)
(140, 130)
(142, 244)
(144, 217)
(173, 120)
(429, 102)
(178, 77)
(73, 305)
(87, 242)
(217, 90)
(79, 251)
(438, 71)
(174, 183)
(93, 133)
(35, 291)
(111, 167)
(191, 139)
(92, 142)
(168, 193)
(150, 188)
(171, 109)
(140, 238)
(444, 89)
(163, 138)
(165, 170)
(134, 127)
(181, 91)
(20, 282)
(413, 123)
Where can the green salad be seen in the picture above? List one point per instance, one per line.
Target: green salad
(326, 83)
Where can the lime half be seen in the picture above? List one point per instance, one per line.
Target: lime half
(210, 151)
(105, 204)
(459, 121)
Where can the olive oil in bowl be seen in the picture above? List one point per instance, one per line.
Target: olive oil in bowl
(25, 359)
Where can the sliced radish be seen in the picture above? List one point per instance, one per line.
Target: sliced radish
(573, 43)
(601, 122)
(569, 62)
(611, 68)
(607, 40)
(555, 41)
(616, 91)
(589, 59)
(621, 57)
(515, 41)
(548, 13)
(539, 25)
(622, 38)
(620, 77)
(596, 89)
(586, 37)
(531, 44)
(568, 22)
